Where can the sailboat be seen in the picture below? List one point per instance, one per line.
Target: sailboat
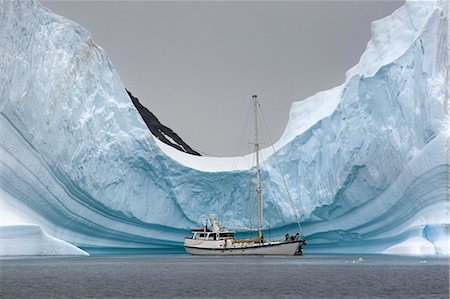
(215, 239)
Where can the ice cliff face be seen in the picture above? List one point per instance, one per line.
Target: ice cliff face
(366, 162)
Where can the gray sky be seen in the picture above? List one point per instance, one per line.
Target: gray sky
(195, 65)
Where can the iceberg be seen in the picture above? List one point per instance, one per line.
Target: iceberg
(28, 240)
(366, 162)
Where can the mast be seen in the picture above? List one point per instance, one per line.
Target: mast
(258, 172)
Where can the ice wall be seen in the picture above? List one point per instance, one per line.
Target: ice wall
(366, 162)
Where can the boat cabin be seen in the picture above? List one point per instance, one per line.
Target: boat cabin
(215, 232)
(227, 235)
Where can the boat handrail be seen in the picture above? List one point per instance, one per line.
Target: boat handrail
(256, 239)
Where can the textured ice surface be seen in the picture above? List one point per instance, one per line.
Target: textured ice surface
(366, 162)
(31, 240)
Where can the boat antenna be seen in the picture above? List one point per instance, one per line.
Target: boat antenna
(258, 172)
(297, 218)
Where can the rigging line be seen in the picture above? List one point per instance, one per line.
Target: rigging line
(219, 208)
(267, 190)
(243, 229)
(249, 208)
(297, 219)
(235, 162)
(249, 202)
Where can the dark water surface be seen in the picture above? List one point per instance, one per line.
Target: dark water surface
(183, 276)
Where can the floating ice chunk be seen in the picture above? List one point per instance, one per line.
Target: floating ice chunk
(416, 246)
(359, 260)
(32, 240)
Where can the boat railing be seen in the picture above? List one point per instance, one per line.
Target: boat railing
(248, 240)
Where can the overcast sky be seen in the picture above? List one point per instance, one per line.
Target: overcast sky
(195, 65)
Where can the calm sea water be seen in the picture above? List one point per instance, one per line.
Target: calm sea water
(186, 276)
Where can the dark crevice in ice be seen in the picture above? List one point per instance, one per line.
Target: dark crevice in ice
(159, 130)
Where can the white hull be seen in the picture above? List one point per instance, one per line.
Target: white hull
(269, 248)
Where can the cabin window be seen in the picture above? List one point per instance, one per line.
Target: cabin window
(201, 235)
(212, 236)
